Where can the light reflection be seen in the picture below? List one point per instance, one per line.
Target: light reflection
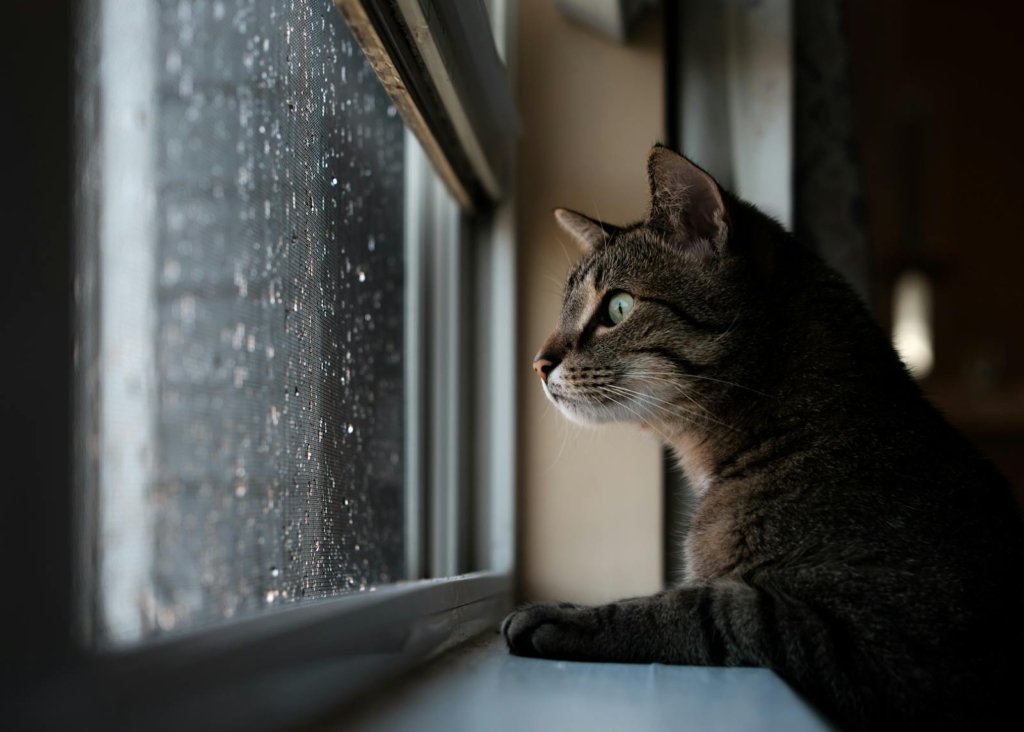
(912, 322)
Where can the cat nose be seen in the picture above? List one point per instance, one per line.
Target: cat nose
(544, 364)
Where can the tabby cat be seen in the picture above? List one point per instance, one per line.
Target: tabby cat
(845, 534)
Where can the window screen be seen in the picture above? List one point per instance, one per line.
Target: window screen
(274, 428)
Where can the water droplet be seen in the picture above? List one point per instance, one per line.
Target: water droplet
(173, 62)
(240, 489)
(334, 181)
(172, 272)
(362, 276)
(188, 310)
(351, 429)
(274, 571)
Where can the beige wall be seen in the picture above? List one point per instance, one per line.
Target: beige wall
(589, 499)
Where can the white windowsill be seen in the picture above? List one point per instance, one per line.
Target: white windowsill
(480, 686)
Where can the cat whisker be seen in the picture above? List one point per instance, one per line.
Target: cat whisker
(547, 408)
(599, 221)
(565, 439)
(560, 283)
(662, 404)
(729, 329)
(565, 252)
(637, 414)
(681, 391)
(706, 413)
(679, 375)
(611, 395)
(650, 403)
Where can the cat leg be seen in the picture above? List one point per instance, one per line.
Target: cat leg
(717, 624)
(724, 623)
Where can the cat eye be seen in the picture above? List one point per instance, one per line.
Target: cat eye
(619, 305)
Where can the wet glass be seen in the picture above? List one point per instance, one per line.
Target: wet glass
(277, 446)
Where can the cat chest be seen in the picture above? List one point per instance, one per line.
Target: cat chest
(718, 548)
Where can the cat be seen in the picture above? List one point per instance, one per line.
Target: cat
(845, 535)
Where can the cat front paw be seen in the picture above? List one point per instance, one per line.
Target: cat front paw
(543, 631)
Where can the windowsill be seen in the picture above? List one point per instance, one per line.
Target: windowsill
(271, 672)
(481, 686)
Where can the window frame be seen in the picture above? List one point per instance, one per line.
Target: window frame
(276, 670)
(460, 496)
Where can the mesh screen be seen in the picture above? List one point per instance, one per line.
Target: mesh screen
(278, 345)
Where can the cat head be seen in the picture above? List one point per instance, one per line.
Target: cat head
(658, 318)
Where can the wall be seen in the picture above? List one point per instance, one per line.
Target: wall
(590, 499)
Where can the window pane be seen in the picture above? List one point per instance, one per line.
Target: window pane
(276, 421)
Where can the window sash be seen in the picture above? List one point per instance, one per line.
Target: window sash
(462, 487)
(467, 121)
(277, 670)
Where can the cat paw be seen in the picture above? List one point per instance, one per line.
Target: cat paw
(541, 631)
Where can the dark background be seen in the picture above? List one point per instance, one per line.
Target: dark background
(35, 89)
(938, 106)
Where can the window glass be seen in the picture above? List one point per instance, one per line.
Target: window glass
(277, 347)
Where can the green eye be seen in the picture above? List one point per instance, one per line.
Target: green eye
(619, 306)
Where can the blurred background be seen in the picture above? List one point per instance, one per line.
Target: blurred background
(885, 133)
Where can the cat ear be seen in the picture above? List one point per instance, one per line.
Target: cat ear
(586, 232)
(684, 198)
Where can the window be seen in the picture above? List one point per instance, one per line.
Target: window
(253, 329)
(292, 311)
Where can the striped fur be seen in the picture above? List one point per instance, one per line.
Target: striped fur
(845, 535)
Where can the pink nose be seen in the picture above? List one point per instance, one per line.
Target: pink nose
(543, 366)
